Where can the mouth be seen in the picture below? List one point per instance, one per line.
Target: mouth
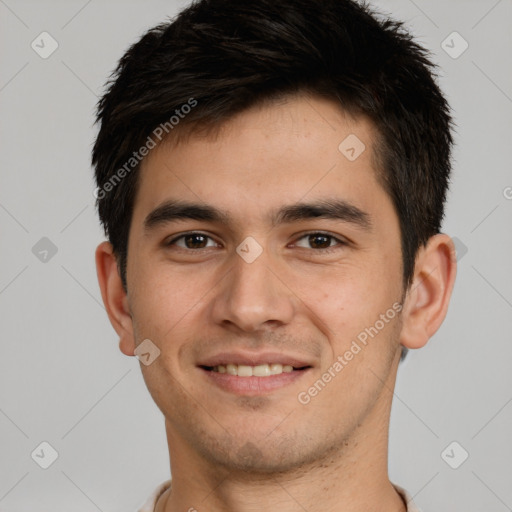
(253, 375)
(260, 370)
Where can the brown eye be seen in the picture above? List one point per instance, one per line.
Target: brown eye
(319, 241)
(193, 241)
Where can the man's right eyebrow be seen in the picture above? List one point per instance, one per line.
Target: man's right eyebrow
(171, 211)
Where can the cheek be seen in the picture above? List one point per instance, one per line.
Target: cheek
(339, 295)
(347, 301)
(163, 300)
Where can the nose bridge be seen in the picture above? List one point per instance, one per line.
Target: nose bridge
(252, 295)
(252, 279)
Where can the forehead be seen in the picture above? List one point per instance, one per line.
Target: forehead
(285, 151)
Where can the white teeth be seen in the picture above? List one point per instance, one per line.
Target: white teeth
(276, 369)
(260, 370)
(244, 371)
(232, 369)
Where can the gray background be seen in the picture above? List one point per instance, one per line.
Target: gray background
(62, 377)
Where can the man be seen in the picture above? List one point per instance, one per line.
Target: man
(271, 178)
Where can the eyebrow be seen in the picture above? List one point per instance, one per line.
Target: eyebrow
(336, 209)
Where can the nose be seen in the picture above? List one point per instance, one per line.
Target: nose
(252, 296)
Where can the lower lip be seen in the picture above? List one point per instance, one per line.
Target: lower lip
(253, 386)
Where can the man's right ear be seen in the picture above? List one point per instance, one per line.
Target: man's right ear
(114, 297)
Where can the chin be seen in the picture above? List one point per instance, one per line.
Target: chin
(263, 458)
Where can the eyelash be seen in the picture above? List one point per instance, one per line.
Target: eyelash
(340, 242)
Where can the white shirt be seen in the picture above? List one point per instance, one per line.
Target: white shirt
(150, 504)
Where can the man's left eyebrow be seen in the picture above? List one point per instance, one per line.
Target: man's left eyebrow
(336, 209)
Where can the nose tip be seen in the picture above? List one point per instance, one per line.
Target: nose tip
(251, 320)
(251, 297)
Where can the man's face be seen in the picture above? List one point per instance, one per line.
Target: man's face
(273, 180)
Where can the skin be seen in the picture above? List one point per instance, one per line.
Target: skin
(246, 453)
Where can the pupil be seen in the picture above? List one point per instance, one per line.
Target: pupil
(195, 241)
(319, 241)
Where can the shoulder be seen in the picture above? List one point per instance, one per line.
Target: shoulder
(411, 506)
(149, 505)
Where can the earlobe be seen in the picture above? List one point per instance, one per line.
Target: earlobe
(429, 295)
(114, 297)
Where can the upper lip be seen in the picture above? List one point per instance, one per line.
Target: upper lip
(253, 359)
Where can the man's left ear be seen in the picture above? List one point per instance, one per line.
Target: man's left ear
(427, 298)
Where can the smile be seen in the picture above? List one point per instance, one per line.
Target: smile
(260, 370)
(257, 380)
